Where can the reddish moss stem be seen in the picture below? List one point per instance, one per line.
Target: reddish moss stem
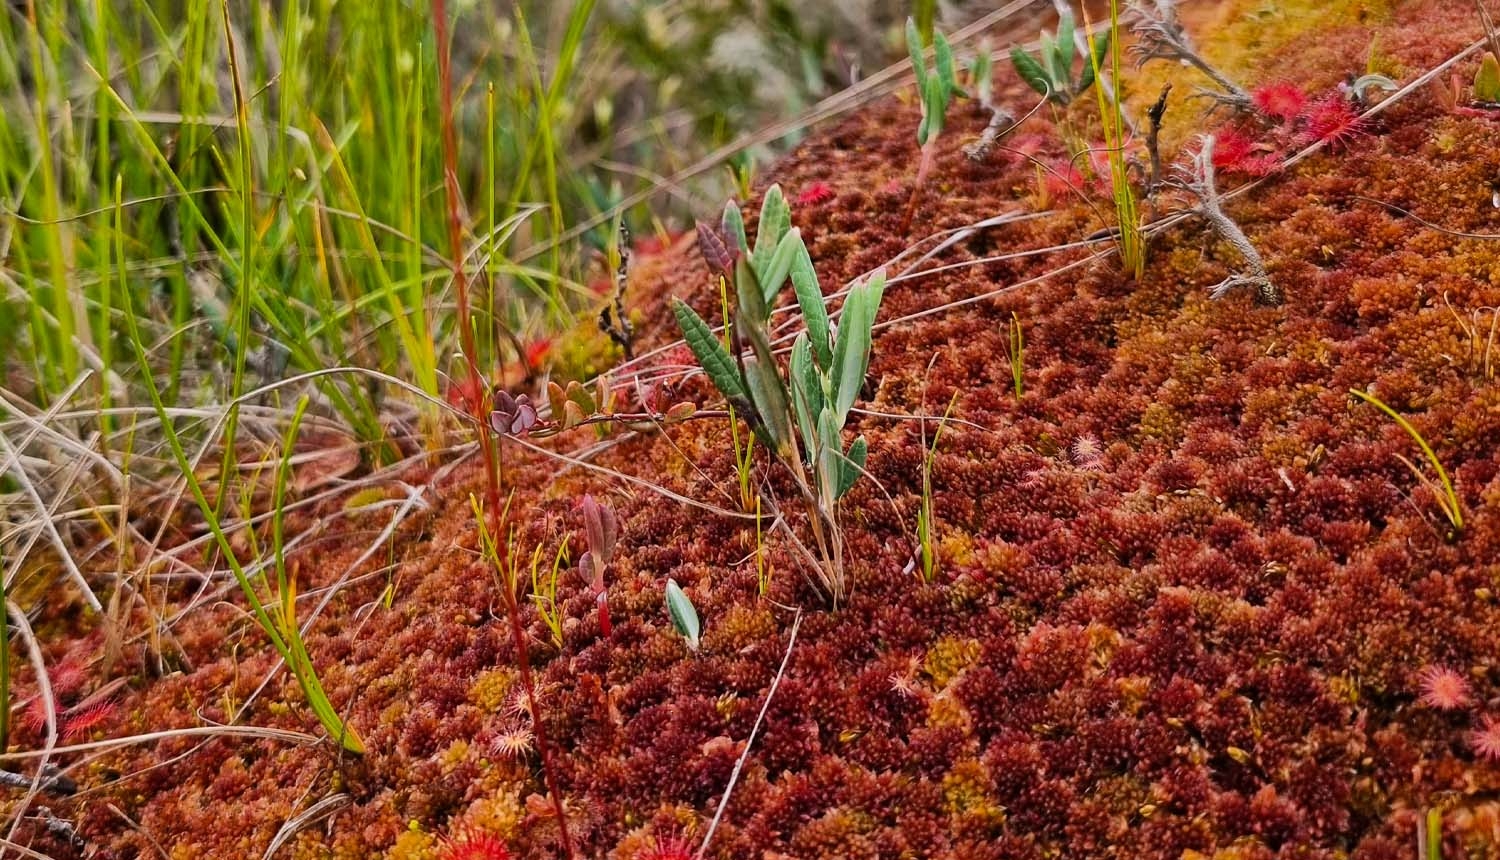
(487, 446)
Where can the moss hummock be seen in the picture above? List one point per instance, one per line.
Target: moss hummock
(1188, 590)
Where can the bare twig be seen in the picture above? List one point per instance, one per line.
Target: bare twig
(1001, 122)
(1153, 139)
(1202, 187)
(51, 780)
(1160, 36)
(1489, 28)
(304, 819)
(612, 319)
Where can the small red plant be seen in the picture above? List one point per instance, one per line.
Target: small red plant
(1236, 152)
(671, 848)
(1486, 739)
(1087, 453)
(78, 721)
(1064, 178)
(817, 192)
(1332, 120)
(537, 352)
(77, 715)
(1282, 100)
(1444, 689)
(656, 243)
(471, 844)
(600, 531)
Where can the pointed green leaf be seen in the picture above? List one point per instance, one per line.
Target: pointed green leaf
(937, 101)
(942, 54)
(684, 615)
(1047, 56)
(983, 73)
(780, 265)
(768, 393)
(914, 50)
(807, 390)
(711, 355)
(1064, 45)
(1101, 51)
(851, 351)
(775, 220)
(1032, 72)
(733, 225)
(830, 456)
(854, 464)
(750, 300)
(810, 301)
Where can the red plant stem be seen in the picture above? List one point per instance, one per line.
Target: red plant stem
(487, 444)
(923, 167)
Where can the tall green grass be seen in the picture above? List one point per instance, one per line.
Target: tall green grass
(1132, 241)
(282, 193)
(283, 186)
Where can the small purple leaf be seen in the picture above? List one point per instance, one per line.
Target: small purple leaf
(714, 251)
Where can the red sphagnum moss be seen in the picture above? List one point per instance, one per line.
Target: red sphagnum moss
(1186, 583)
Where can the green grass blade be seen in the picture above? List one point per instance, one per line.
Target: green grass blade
(1450, 504)
(684, 615)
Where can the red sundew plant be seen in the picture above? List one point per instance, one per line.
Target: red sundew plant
(473, 845)
(1444, 689)
(672, 848)
(536, 353)
(1485, 740)
(83, 718)
(817, 192)
(1282, 100)
(514, 742)
(467, 394)
(78, 715)
(1289, 120)
(1333, 120)
(1087, 453)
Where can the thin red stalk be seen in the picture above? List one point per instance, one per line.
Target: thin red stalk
(923, 167)
(492, 464)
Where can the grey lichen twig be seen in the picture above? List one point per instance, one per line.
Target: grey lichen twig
(1160, 36)
(1202, 186)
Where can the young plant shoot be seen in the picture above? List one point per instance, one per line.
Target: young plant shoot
(799, 415)
(935, 90)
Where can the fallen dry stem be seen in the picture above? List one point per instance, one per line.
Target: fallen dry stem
(1202, 187)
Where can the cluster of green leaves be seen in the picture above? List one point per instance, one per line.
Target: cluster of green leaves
(935, 86)
(799, 416)
(1050, 73)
